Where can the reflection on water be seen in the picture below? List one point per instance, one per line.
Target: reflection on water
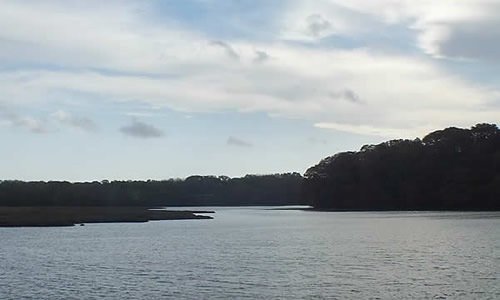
(258, 253)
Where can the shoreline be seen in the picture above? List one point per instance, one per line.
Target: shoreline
(398, 210)
(312, 209)
(55, 216)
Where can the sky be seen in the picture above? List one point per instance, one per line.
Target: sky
(137, 90)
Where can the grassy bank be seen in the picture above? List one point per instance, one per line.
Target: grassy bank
(69, 216)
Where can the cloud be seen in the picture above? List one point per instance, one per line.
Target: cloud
(138, 114)
(464, 29)
(310, 21)
(139, 129)
(23, 122)
(317, 25)
(161, 65)
(398, 91)
(459, 30)
(467, 40)
(227, 48)
(28, 123)
(346, 94)
(75, 122)
(233, 141)
(261, 56)
(34, 125)
(363, 129)
(56, 32)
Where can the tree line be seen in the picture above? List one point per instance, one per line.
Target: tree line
(450, 169)
(277, 189)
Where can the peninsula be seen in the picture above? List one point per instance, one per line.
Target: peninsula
(71, 215)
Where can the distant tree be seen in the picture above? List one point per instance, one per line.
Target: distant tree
(277, 189)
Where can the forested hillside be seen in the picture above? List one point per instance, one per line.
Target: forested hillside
(450, 169)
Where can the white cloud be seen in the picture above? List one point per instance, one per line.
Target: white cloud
(27, 123)
(395, 91)
(370, 130)
(464, 29)
(72, 121)
(111, 35)
(311, 20)
(162, 65)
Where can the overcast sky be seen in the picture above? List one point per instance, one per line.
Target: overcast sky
(93, 90)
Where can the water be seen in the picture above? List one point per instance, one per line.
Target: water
(257, 253)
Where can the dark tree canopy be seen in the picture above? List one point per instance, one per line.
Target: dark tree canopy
(450, 169)
(277, 189)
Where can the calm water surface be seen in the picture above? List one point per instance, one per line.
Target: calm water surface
(257, 253)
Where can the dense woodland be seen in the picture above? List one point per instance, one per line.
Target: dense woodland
(450, 169)
(278, 189)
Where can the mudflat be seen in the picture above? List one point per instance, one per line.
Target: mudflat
(69, 216)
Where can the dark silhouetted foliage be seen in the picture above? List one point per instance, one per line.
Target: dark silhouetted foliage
(278, 189)
(450, 169)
